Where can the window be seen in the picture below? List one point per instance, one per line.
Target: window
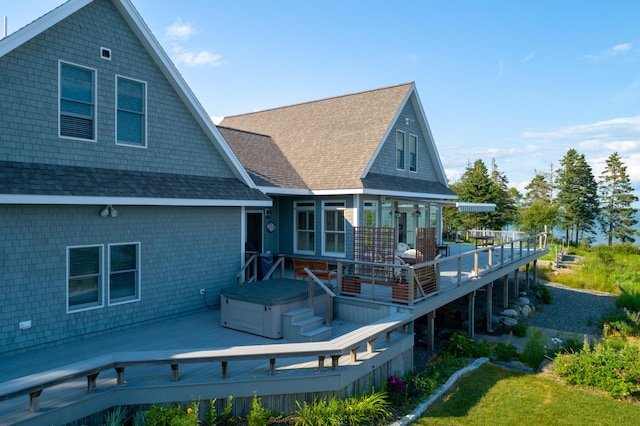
(305, 228)
(124, 283)
(131, 112)
(413, 153)
(333, 213)
(77, 102)
(84, 278)
(400, 150)
(370, 214)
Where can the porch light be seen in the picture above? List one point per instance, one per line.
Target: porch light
(398, 214)
(418, 213)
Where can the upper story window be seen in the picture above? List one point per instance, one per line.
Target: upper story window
(124, 280)
(413, 153)
(84, 278)
(334, 225)
(77, 102)
(400, 150)
(304, 240)
(131, 117)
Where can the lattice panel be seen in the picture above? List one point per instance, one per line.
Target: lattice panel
(373, 245)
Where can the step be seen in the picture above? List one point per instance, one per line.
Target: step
(298, 314)
(317, 334)
(308, 323)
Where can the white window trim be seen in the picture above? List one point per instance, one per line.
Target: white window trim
(296, 207)
(325, 208)
(71, 310)
(409, 153)
(107, 274)
(144, 144)
(404, 150)
(373, 207)
(95, 101)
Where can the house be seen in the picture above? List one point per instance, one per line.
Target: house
(331, 166)
(119, 199)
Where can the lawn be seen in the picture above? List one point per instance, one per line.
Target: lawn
(500, 396)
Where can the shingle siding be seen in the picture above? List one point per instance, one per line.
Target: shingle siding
(29, 101)
(180, 253)
(385, 162)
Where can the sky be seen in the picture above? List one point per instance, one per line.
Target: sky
(518, 82)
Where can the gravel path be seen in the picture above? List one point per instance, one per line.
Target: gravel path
(573, 310)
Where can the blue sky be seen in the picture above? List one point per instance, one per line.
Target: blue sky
(521, 82)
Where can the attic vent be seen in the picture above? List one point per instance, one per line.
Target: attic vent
(105, 53)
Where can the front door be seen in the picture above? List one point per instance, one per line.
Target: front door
(255, 226)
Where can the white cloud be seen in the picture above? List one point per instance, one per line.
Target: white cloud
(615, 50)
(179, 33)
(529, 57)
(179, 30)
(192, 58)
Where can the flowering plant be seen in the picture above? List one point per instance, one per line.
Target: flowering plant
(397, 389)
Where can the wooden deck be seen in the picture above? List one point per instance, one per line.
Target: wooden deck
(462, 273)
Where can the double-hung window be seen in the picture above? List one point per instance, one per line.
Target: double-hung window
(304, 240)
(77, 102)
(413, 153)
(333, 215)
(131, 117)
(400, 150)
(124, 273)
(84, 278)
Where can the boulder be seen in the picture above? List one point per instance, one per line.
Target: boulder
(509, 313)
(526, 311)
(509, 322)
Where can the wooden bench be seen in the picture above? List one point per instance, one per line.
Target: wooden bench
(319, 268)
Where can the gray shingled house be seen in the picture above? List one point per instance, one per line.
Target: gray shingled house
(119, 199)
(360, 160)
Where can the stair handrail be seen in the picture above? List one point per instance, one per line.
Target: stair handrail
(310, 293)
(252, 261)
(279, 262)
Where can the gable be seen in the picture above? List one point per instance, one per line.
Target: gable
(180, 137)
(329, 142)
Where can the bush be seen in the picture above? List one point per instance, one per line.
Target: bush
(519, 330)
(159, 415)
(534, 348)
(460, 345)
(612, 366)
(359, 410)
(505, 351)
(258, 416)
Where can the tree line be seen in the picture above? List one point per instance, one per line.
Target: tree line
(569, 198)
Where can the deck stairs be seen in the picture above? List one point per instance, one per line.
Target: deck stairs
(302, 325)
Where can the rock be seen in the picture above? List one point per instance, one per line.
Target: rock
(522, 301)
(495, 320)
(526, 311)
(509, 313)
(509, 322)
(523, 294)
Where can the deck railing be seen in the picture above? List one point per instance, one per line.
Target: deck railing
(409, 284)
(347, 344)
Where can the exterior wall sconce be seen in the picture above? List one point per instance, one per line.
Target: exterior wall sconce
(418, 213)
(398, 214)
(267, 212)
(109, 211)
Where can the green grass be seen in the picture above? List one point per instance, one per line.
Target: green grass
(498, 396)
(613, 270)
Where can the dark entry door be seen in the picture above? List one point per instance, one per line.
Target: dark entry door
(254, 232)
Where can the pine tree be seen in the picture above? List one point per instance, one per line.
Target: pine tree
(539, 211)
(577, 195)
(506, 211)
(617, 217)
(474, 186)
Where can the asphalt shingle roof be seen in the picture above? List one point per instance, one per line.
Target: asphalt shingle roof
(329, 142)
(57, 180)
(262, 159)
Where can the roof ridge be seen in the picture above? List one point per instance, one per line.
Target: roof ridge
(322, 100)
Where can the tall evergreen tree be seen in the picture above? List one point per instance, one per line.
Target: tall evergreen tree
(577, 195)
(539, 211)
(506, 211)
(474, 186)
(617, 217)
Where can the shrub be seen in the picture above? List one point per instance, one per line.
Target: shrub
(366, 409)
(258, 416)
(396, 391)
(534, 348)
(519, 330)
(159, 415)
(612, 366)
(460, 345)
(505, 351)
